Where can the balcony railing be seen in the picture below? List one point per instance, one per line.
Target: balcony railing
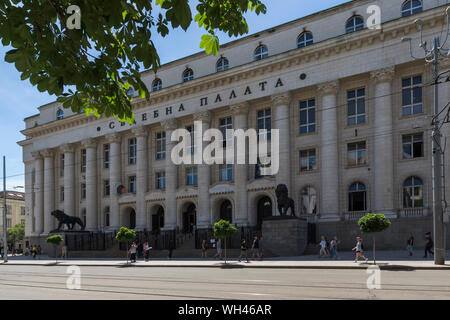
(413, 212)
(354, 215)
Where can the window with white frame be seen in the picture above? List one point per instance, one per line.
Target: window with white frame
(160, 145)
(412, 146)
(413, 193)
(156, 85)
(132, 151)
(307, 116)
(224, 124)
(412, 95)
(305, 39)
(222, 64)
(356, 153)
(191, 176)
(264, 122)
(411, 7)
(353, 24)
(356, 106)
(226, 172)
(160, 180)
(308, 160)
(261, 52)
(132, 184)
(59, 114)
(106, 154)
(188, 75)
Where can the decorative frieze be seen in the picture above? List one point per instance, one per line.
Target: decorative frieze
(328, 88)
(140, 131)
(383, 75)
(113, 138)
(67, 148)
(282, 99)
(240, 108)
(89, 143)
(169, 125)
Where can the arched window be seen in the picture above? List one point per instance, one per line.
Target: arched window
(411, 7)
(353, 24)
(222, 64)
(261, 52)
(156, 85)
(59, 114)
(413, 193)
(308, 201)
(305, 39)
(357, 197)
(188, 75)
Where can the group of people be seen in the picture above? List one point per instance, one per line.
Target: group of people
(256, 248)
(33, 251)
(329, 248)
(139, 251)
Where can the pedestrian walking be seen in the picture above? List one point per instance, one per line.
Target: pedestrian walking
(323, 247)
(133, 250)
(428, 244)
(219, 249)
(64, 254)
(204, 249)
(333, 248)
(410, 244)
(243, 251)
(34, 252)
(255, 248)
(39, 251)
(146, 249)
(261, 253)
(359, 250)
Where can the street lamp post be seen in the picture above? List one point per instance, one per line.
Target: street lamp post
(432, 56)
(5, 227)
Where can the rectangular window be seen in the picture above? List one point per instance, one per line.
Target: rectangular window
(226, 172)
(412, 96)
(106, 188)
(264, 122)
(106, 156)
(191, 145)
(161, 180)
(8, 223)
(308, 160)
(224, 124)
(22, 211)
(61, 194)
(107, 223)
(8, 209)
(83, 160)
(356, 106)
(191, 176)
(307, 116)
(132, 151)
(356, 153)
(61, 165)
(83, 191)
(412, 146)
(160, 145)
(132, 184)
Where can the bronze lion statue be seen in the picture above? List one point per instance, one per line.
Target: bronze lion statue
(69, 221)
(283, 200)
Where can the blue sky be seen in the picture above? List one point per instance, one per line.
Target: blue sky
(19, 99)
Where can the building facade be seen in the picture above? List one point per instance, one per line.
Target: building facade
(15, 209)
(352, 107)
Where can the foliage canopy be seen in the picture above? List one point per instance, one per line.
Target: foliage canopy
(371, 223)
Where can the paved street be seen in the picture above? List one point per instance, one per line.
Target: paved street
(44, 282)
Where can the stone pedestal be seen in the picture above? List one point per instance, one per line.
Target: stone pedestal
(285, 236)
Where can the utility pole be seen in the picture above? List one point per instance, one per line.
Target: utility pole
(432, 56)
(5, 227)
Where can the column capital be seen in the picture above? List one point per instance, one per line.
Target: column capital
(330, 87)
(113, 137)
(140, 131)
(240, 108)
(47, 153)
(67, 148)
(282, 99)
(36, 155)
(89, 143)
(383, 74)
(203, 116)
(169, 124)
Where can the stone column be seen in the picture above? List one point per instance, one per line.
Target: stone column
(240, 172)
(141, 177)
(204, 179)
(383, 147)
(69, 179)
(114, 178)
(49, 190)
(170, 214)
(329, 154)
(29, 167)
(280, 107)
(39, 193)
(91, 184)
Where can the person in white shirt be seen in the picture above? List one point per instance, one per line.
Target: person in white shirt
(323, 247)
(359, 250)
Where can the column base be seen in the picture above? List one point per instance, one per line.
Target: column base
(330, 218)
(388, 213)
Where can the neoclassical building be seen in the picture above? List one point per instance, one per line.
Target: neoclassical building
(352, 107)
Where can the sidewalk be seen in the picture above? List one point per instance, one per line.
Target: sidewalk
(386, 260)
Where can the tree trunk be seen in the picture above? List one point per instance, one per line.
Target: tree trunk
(56, 255)
(225, 250)
(374, 259)
(127, 252)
